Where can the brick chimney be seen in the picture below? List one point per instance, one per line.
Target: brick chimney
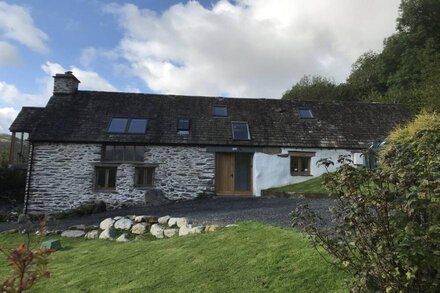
(65, 83)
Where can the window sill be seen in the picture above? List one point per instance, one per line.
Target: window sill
(301, 175)
(105, 191)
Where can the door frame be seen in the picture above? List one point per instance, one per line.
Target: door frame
(251, 179)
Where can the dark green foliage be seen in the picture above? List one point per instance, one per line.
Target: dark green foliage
(317, 88)
(12, 184)
(407, 71)
(387, 220)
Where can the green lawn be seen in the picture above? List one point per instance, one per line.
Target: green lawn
(313, 186)
(250, 258)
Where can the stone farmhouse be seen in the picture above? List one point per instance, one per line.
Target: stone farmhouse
(130, 149)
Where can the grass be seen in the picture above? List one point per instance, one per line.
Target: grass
(312, 186)
(252, 257)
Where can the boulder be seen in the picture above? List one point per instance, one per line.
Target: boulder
(107, 223)
(170, 232)
(184, 230)
(155, 197)
(144, 218)
(122, 238)
(94, 234)
(73, 233)
(123, 224)
(131, 217)
(118, 218)
(157, 230)
(231, 226)
(182, 222)
(172, 222)
(211, 228)
(140, 228)
(10, 231)
(108, 233)
(163, 220)
(196, 230)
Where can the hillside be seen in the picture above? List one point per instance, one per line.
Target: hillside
(5, 141)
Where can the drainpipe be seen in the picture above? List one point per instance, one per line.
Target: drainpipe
(29, 179)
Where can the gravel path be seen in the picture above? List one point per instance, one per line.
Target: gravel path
(216, 210)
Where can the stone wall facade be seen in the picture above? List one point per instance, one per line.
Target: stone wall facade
(63, 176)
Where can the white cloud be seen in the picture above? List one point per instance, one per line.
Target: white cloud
(249, 47)
(90, 54)
(90, 80)
(7, 115)
(17, 24)
(10, 95)
(8, 54)
(11, 98)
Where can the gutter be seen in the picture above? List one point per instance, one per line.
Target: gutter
(29, 179)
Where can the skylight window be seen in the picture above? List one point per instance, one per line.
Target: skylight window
(240, 131)
(220, 111)
(183, 124)
(305, 113)
(118, 125)
(126, 125)
(137, 126)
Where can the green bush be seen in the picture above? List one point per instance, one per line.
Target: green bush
(386, 228)
(12, 184)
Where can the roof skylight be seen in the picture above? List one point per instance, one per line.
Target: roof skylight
(220, 111)
(126, 125)
(305, 113)
(240, 131)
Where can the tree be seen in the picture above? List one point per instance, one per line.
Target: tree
(386, 221)
(316, 88)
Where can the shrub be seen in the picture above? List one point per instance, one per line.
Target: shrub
(27, 265)
(386, 221)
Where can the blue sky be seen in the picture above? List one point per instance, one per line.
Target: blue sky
(246, 48)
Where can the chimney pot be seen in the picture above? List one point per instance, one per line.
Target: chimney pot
(65, 83)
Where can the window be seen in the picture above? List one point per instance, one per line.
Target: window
(300, 163)
(183, 126)
(118, 125)
(123, 153)
(125, 125)
(105, 178)
(240, 131)
(144, 176)
(137, 126)
(305, 113)
(220, 111)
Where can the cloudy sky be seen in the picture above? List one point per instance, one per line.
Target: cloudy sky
(244, 48)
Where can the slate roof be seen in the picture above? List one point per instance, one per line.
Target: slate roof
(85, 116)
(26, 119)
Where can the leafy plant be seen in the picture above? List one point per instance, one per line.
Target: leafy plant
(27, 265)
(386, 221)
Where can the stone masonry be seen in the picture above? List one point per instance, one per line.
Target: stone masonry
(63, 176)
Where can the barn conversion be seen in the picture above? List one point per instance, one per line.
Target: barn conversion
(130, 149)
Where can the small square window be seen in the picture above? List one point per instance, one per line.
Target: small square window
(300, 165)
(144, 176)
(220, 111)
(105, 178)
(118, 125)
(137, 126)
(305, 113)
(240, 131)
(183, 124)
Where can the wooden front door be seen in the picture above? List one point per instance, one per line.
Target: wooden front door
(233, 174)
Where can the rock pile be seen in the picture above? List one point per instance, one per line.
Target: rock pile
(124, 229)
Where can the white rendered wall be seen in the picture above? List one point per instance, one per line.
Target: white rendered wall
(274, 171)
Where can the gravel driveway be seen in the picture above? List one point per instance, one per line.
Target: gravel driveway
(216, 210)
